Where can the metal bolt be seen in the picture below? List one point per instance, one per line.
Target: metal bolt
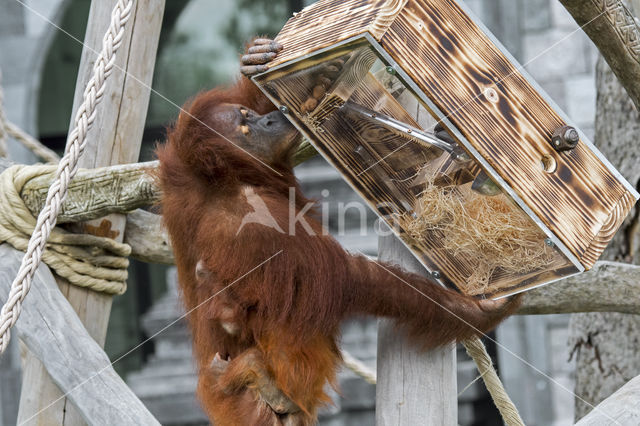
(436, 275)
(284, 109)
(565, 138)
(571, 136)
(391, 70)
(548, 242)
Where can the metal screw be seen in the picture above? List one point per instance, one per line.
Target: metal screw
(436, 275)
(284, 109)
(548, 242)
(391, 70)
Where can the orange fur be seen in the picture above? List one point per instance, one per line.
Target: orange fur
(288, 310)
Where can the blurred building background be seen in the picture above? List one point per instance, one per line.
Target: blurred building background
(199, 48)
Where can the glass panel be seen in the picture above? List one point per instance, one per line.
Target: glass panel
(435, 196)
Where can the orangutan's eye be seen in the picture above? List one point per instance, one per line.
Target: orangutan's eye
(244, 129)
(244, 112)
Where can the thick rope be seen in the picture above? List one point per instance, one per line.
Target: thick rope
(98, 263)
(358, 367)
(31, 143)
(477, 351)
(508, 411)
(67, 168)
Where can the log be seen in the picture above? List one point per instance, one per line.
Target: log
(114, 138)
(79, 367)
(95, 193)
(622, 408)
(608, 287)
(148, 238)
(613, 29)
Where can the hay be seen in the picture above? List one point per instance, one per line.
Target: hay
(491, 232)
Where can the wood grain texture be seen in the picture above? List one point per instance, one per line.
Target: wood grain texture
(95, 193)
(328, 22)
(608, 229)
(621, 408)
(498, 111)
(114, 138)
(607, 287)
(612, 28)
(53, 333)
(148, 238)
(413, 387)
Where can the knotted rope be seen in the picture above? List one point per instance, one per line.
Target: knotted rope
(66, 169)
(85, 260)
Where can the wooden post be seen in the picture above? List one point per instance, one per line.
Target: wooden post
(115, 138)
(414, 387)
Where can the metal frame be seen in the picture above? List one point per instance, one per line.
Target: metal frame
(440, 116)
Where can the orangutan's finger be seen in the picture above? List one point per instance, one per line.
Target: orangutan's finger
(257, 58)
(264, 48)
(262, 41)
(252, 70)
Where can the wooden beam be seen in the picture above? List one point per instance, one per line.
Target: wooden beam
(114, 189)
(413, 387)
(608, 287)
(622, 408)
(53, 333)
(616, 33)
(115, 138)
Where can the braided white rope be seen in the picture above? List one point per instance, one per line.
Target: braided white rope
(67, 168)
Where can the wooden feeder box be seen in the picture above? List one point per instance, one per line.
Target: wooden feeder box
(507, 197)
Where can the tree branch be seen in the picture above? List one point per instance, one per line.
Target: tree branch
(147, 237)
(613, 29)
(608, 287)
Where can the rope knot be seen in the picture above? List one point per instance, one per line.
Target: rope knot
(85, 260)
